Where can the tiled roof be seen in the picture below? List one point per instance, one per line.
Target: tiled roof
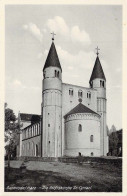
(30, 117)
(97, 71)
(52, 58)
(80, 108)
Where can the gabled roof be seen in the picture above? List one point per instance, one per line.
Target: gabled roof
(97, 71)
(80, 108)
(30, 117)
(52, 58)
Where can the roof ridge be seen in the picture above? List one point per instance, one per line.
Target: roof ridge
(80, 108)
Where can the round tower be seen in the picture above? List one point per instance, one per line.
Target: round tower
(52, 105)
(98, 82)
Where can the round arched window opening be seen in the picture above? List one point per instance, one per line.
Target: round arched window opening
(80, 128)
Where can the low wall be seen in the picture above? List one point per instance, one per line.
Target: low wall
(100, 160)
(43, 159)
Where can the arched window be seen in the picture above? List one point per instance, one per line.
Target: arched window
(55, 73)
(100, 83)
(80, 128)
(89, 95)
(70, 91)
(91, 138)
(36, 150)
(103, 84)
(92, 154)
(32, 148)
(80, 93)
(58, 74)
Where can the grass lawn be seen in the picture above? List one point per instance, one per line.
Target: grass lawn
(63, 177)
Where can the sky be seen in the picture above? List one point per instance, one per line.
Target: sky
(79, 30)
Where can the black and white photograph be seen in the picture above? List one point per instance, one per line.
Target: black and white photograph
(63, 98)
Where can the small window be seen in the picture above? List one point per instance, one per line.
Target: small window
(55, 73)
(91, 153)
(58, 74)
(70, 91)
(103, 84)
(48, 125)
(80, 128)
(80, 93)
(91, 138)
(89, 95)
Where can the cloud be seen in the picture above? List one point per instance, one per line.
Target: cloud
(58, 25)
(80, 36)
(74, 33)
(81, 59)
(34, 30)
(18, 85)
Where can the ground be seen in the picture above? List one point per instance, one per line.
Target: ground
(57, 176)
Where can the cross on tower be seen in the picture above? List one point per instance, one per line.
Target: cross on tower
(53, 36)
(97, 50)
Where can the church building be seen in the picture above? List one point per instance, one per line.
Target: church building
(73, 118)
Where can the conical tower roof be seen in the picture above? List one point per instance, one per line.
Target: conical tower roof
(80, 108)
(97, 71)
(52, 58)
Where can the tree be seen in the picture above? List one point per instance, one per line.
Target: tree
(113, 140)
(113, 129)
(12, 129)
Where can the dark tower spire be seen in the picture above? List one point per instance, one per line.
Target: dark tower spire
(52, 58)
(97, 70)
